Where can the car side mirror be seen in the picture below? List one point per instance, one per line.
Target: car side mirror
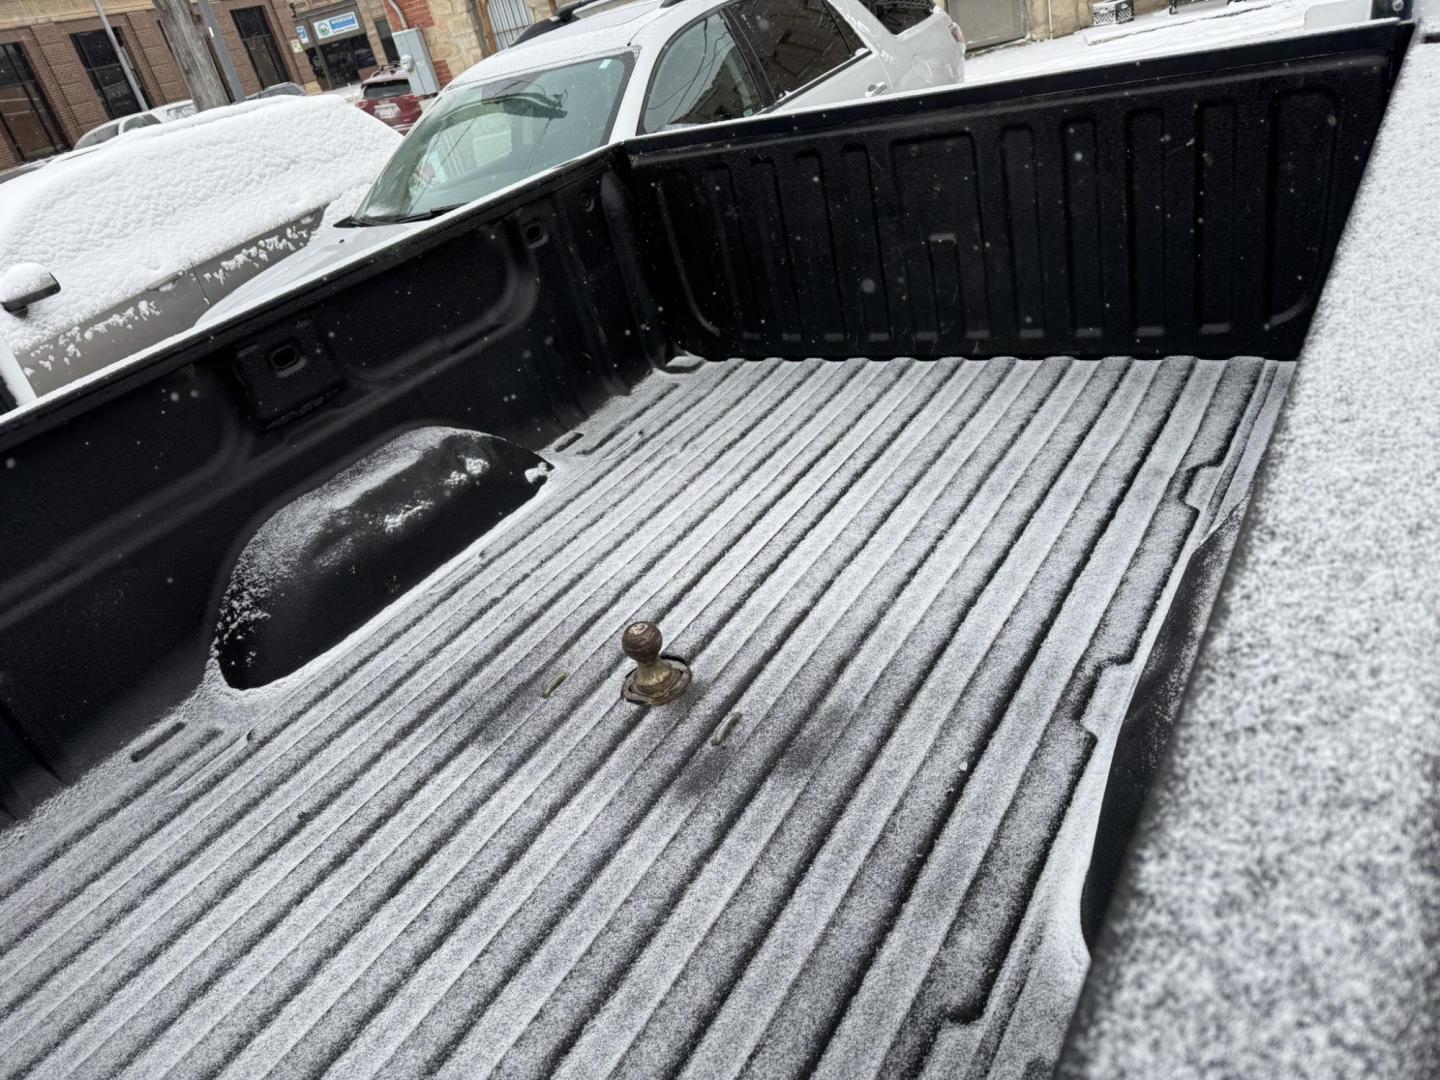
(25, 284)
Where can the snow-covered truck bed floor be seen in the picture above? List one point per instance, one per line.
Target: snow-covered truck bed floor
(919, 594)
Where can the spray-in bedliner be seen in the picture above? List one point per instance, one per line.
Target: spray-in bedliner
(919, 595)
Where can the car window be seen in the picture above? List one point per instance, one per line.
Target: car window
(381, 90)
(703, 77)
(796, 41)
(897, 16)
(179, 112)
(483, 137)
(135, 122)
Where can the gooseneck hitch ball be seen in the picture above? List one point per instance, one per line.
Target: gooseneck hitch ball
(657, 680)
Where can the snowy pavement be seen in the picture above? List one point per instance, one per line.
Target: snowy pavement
(1211, 25)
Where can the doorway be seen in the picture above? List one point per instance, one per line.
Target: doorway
(341, 63)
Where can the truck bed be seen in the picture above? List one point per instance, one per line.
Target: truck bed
(918, 598)
(297, 784)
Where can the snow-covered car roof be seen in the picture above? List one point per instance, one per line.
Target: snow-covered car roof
(112, 221)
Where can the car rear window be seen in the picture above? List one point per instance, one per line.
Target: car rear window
(380, 90)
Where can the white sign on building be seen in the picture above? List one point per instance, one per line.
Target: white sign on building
(336, 25)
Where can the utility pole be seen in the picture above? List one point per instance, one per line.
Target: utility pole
(232, 77)
(120, 54)
(192, 56)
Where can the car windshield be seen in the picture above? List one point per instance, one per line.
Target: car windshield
(481, 138)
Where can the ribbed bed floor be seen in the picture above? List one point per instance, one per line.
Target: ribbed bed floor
(924, 592)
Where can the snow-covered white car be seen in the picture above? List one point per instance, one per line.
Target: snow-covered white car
(143, 233)
(163, 114)
(603, 71)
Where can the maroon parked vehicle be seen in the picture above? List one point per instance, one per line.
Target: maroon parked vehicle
(387, 96)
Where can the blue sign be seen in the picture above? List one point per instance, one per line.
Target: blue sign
(337, 24)
(303, 35)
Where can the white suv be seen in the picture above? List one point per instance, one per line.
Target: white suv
(601, 71)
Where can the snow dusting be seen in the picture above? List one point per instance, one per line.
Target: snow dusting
(1159, 34)
(932, 590)
(1282, 909)
(928, 587)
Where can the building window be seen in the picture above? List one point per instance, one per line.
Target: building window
(26, 119)
(265, 55)
(106, 73)
(387, 41)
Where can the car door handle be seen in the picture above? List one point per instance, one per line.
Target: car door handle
(875, 89)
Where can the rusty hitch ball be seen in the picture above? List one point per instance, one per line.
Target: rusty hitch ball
(657, 680)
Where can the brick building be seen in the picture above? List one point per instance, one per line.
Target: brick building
(60, 76)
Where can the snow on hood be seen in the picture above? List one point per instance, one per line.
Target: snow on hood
(137, 210)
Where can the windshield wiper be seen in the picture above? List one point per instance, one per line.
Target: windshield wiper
(423, 215)
(404, 219)
(550, 106)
